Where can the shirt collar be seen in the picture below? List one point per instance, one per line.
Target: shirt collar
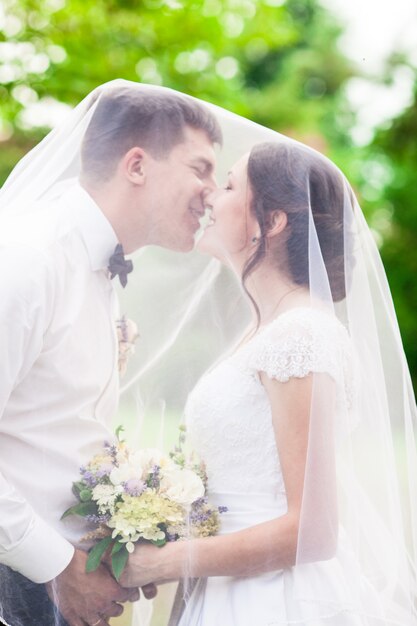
(97, 232)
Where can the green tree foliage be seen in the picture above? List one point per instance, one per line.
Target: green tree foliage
(392, 163)
(276, 62)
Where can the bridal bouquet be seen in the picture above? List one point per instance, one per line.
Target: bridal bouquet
(144, 496)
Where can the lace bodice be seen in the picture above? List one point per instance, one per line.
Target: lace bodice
(228, 414)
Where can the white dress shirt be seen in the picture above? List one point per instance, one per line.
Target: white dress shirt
(58, 375)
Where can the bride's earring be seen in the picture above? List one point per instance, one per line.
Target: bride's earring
(254, 239)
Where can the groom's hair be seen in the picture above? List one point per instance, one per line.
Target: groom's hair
(125, 117)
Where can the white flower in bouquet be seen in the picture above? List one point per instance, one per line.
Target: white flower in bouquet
(105, 496)
(125, 472)
(182, 486)
(150, 457)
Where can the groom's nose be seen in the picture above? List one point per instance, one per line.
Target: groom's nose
(208, 193)
(211, 194)
(206, 196)
(210, 184)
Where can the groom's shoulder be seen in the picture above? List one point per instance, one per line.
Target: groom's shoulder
(32, 246)
(38, 234)
(23, 266)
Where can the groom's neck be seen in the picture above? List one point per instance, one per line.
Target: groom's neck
(116, 204)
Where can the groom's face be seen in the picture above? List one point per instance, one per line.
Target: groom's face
(181, 182)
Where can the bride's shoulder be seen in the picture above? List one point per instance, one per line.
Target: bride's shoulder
(299, 341)
(305, 322)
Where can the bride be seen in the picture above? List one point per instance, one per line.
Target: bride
(299, 424)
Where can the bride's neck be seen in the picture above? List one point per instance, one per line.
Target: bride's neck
(273, 292)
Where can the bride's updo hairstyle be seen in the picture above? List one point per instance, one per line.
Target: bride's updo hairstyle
(293, 178)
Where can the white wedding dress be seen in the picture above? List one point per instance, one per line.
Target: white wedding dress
(229, 425)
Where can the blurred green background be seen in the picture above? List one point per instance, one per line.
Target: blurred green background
(277, 62)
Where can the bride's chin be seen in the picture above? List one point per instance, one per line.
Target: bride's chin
(205, 244)
(209, 244)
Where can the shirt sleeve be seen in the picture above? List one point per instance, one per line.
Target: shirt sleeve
(27, 544)
(301, 343)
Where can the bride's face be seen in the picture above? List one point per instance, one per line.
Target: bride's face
(229, 236)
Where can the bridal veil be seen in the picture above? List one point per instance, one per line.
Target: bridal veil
(361, 473)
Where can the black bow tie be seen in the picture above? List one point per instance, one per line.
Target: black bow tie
(118, 265)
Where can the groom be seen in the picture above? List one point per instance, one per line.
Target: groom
(147, 161)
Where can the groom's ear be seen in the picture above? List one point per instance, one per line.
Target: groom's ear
(133, 165)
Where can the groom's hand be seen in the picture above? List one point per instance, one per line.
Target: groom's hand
(90, 599)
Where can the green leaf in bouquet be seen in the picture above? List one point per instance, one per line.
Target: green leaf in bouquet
(78, 487)
(117, 546)
(119, 560)
(96, 554)
(82, 509)
(159, 542)
(85, 495)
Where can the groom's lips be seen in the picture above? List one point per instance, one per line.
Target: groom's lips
(197, 213)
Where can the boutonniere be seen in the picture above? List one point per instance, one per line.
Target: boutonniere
(127, 334)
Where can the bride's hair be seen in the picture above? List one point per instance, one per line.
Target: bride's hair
(293, 178)
(125, 117)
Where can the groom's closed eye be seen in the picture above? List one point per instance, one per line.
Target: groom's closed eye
(203, 167)
(201, 172)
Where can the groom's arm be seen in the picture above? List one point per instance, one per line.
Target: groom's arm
(27, 544)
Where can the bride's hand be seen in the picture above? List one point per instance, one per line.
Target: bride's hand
(149, 564)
